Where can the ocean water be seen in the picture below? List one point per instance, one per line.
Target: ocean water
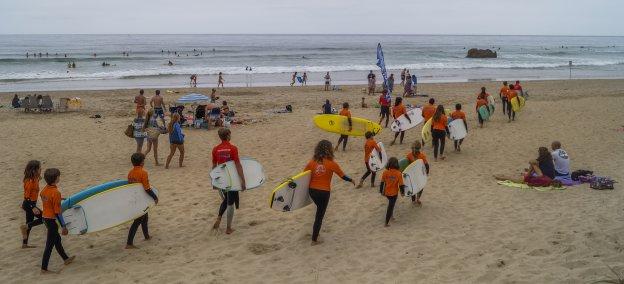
(141, 60)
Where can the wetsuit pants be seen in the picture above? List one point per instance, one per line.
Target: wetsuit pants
(321, 200)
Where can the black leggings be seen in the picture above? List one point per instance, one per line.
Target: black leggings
(343, 139)
(231, 198)
(439, 139)
(135, 226)
(505, 105)
(28, 206)
(457, 143)
(321, 199)
(53, 241)
(510, 113)
(480, 119)
(418, 195)
(367, 173)
(402, 135)
(390, 211)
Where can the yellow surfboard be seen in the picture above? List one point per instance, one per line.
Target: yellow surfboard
(426, 131)
(517, 103)
(339, 124)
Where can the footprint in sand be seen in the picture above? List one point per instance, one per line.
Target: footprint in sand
(539, 252)
(259, 249)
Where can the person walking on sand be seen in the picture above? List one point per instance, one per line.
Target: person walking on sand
(176, 139)
(397, 111)
(403, 76)
(459, 114)
(502, 94)
(391, 184)
(139, 175)
(32, 175)
(158, 104)
(384, 110)
(327, 81)
(344, 138)
(407, 87)
(412, 156)
(153, 132)
(140, 101)
(221, 154)
(304, 79)
(391, 83)
(371, 83)
(369, 145)
(322, 167)
(439, 131)
(194, 80)
(139, 131)
(220, 81)
(293, 79)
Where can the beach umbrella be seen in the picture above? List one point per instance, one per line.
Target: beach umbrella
(193, 98)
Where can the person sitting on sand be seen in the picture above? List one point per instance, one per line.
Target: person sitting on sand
(561, 160)
(369, 145)
(327, 108)
(213, 96)
(533, 176)
(221, 154)
(459, 114)
(545, 161)
(397, 111)
(15, 103)
(364, 104)
(390, 186)
(322, 168)
(139, 175)
(412, 156)
(344, 138)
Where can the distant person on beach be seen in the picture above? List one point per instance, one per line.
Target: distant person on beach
(194, 80)
(403, 76)
(220, 81)
(157, 102)
(327, 81)
(407, 87)
(414, 80)
(52, 218)
(30, 182)
(384, 107)
(153, 132)
(304, 79)
(439, 131)
(511, 93)
(412, 156)
(170, 63)
(459, 114)
(139, 175)
(139, 131)
(518, 88)
(344, 138)
(323, 167)
(560, 159)
(294, 79)
(140, 101)
(221, 154)
(391, 184)
(371, 83)
(369, 145)
(502, 94)
(391, 83)
(397, 111)
(327, 108)
(15, 103)
(213, 96)
(176, 140)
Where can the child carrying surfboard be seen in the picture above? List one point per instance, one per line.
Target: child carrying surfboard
(221, 154)
(139, 175)
(398, 110)
(32, 175)
(439, 131)
(511, 114)
(503, 96)
(391, 184)
(369, 146)
(51, 203)
(344, 138)
(322, 168)
(427, 113)
(481, 101)
(412, 156)
(459, 114)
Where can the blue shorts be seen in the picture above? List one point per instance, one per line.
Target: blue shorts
(159, 112)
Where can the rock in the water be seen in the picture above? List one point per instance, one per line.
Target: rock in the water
(481, 53)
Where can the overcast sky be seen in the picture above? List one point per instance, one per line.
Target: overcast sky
(525, 17)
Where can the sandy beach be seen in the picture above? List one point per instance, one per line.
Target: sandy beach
(469, 229)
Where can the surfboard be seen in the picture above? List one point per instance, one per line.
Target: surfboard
(77, 197)
(415, 177)
(374, 162)
(108, 209)
(457, 129)
(292, 194)
(484, 112)
(339, 124)
(491, 103)
(225, 176)
(402, 124)
(403, 163)
(426, 131)
(517, 103)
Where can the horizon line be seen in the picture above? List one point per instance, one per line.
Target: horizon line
(316, 34)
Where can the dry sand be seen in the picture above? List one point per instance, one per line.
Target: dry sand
(469, 229)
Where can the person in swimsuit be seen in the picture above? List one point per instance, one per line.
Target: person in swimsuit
(158, 104)
(140, 101)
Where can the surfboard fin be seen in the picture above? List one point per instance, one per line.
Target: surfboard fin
(292, 184)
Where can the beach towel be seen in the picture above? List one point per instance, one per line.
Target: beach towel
(509, 183)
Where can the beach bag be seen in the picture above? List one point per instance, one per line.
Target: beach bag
(602, 183)
(153, 133)
(129, 131)
(586, 178)
(578, 173)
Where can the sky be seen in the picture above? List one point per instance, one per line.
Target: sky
(489, 17)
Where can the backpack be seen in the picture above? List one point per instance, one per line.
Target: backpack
(602, 183)
(576, 174)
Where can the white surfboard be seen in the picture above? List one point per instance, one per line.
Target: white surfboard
(491, 103)
(225, 176)
(374, 162)
(402, 124)
(457, 129)
(292, 194)
(415, 177)
(108, 209)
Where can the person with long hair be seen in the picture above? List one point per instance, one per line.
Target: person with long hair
(139, 131)
(153, 131)
(533, 176)
(397, 110)
(322, 167)
(439, 130)
(459, 114)
(545, 162)
(391, 184)
(344, 138)
(176, 139)
(32, 175)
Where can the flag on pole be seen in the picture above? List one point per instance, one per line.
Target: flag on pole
(382, 65)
